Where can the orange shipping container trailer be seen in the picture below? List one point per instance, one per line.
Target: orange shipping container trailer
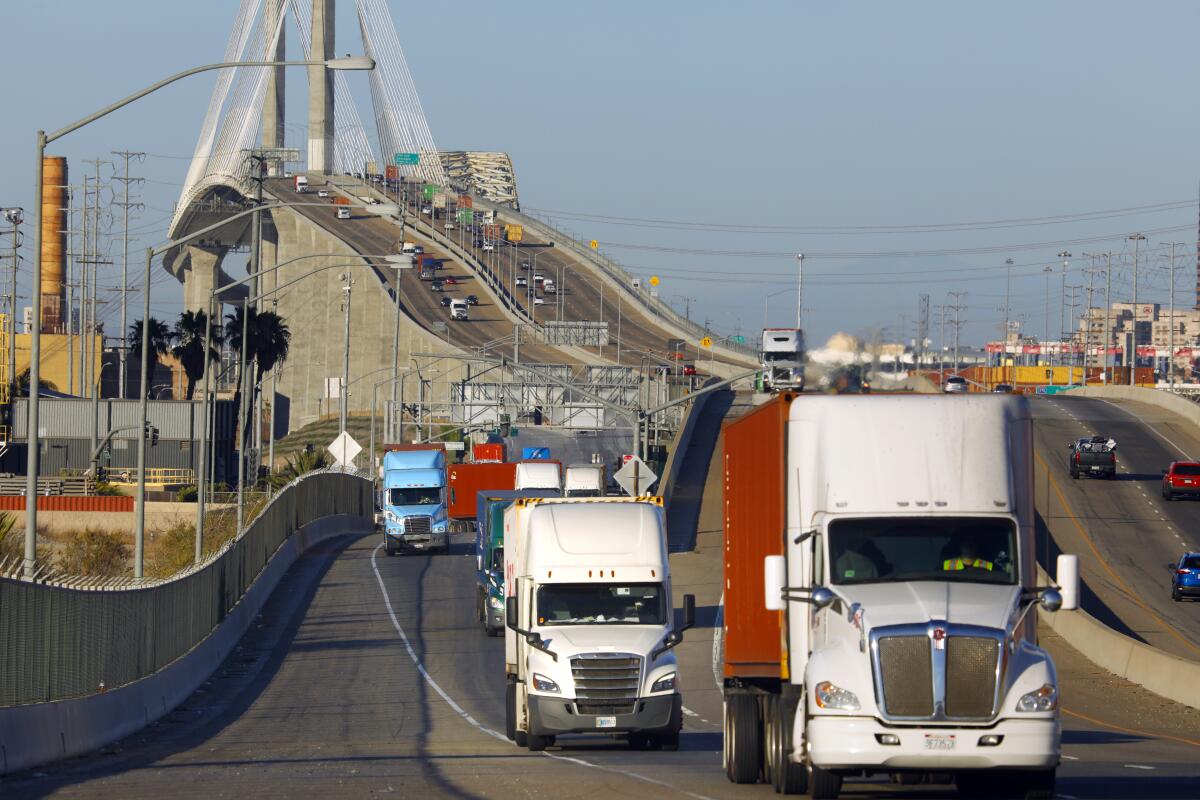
(754, 490)
(466, 481)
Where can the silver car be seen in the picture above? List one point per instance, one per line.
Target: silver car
(955, 384)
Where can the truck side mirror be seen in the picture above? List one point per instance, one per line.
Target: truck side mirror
(689, 612)
(510, 612)
(1068, 581)
(774, 580)
(822, 597)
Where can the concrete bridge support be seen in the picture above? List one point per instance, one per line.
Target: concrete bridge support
(320, 91)
(273, 101)
(312, 309)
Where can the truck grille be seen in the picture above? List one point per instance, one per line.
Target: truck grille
(906, 666)
(606, 683)
(916, 679)
(971, 675)
(418, 526)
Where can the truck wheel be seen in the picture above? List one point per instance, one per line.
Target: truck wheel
(665, 741)
(495, 631)
(1074, 475)
(743, 745)
(510, 711)
(388, 547)
(537, 744)
(823, 784)
(479, 608)
(790, 777)
(1037, 784)
(639, 740)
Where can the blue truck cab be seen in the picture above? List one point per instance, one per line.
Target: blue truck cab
(413, 512)
(489, 553)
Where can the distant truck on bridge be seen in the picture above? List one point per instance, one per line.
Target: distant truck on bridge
(782, 359)
(300, 183)
(878, 607)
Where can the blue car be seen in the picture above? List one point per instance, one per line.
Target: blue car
(1185, 582)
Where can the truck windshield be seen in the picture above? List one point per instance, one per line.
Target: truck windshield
(776, 356)
(896, 549)
(600, 603)
(415, 496)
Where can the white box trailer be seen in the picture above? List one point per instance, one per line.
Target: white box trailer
(896, 535)
(589, 632)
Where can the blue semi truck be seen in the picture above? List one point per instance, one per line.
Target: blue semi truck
(413, 514)
(489, 553)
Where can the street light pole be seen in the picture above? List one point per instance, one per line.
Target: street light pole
(41, 140)
(345, 351)
(1008, 265)
(799, 290)
(1046, 324)
(15, 217)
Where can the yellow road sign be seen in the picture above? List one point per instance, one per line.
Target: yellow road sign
(706, 341)
(593, 244)
(654, 280)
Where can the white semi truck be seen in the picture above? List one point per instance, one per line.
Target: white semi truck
(880, 581)
(589, 624)
(782, 359)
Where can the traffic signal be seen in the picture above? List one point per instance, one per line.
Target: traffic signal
(151, 432)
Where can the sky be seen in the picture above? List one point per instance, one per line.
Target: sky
(905, 148)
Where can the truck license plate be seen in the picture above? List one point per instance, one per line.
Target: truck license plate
(936, 742)
(1095, 469)
(606, 722)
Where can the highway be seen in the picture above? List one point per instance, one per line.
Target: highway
(1123, 530)
(368, 675)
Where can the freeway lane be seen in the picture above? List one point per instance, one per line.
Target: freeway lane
(1125, 532)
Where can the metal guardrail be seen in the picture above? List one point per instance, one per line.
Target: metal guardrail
(158, 475)
(63, 642)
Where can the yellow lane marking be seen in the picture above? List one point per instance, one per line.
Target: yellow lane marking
(1104, 562)
(1135, 731)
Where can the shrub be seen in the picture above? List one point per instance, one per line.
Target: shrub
(94, 552)
(106, 489)
(174, 549)
(186, 495)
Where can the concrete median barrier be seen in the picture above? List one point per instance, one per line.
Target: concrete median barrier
(1155, 397)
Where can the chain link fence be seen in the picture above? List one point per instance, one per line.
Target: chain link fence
(58, 642)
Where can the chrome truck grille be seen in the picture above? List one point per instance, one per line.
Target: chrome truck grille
(937, 672)
(606, 683)
(418, 526)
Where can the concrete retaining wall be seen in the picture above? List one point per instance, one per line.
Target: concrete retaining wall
(40, 733)
(1155, 397)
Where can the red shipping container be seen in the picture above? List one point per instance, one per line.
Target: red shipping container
(465, 481)
(92, 503)
(755, 500)
(488, 452)
(465, 201)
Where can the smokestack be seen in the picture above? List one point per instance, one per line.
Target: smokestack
(54, 241)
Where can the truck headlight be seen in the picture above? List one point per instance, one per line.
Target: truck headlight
(496, 602)
(439, 527)
(827, 695)
(1043, 699)
(664, 684)
(544, 684)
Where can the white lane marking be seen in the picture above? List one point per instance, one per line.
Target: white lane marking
(689, 712)
(1070, 758)
(1066, 796)
(387, 601)
(1138, 766)
(1157, 432)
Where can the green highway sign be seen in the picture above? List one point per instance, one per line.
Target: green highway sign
(407, 159)
(465, 216)
(739, 340)
(429, 190)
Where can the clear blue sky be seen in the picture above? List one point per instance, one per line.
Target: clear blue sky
(771, 114)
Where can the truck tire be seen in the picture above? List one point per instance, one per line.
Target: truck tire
(510, 711)
(743, 741)
(537, 744)
(790, 777)
(1074, 475)
(480, 607)
(823, 784)
(388, 547)
(1037, 784)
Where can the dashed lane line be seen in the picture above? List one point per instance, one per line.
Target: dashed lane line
(387, 602)
(1138, 766)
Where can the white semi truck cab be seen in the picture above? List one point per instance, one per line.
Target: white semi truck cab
(590, 636)
(782, 358)
(896, 596)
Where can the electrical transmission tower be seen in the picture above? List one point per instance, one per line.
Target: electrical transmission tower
(125, 204)
(922, 327)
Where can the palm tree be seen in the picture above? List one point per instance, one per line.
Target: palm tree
(268, 342)
(299, 464)
(189, 346)
(160, 344)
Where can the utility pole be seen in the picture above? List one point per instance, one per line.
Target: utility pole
(14, 216)
(346, 276)
(1137, 239)
(126, 205)
(89, 299)
(1008, 265)
(1108, 337)
(1062, 309)
(1046, 323)
(941, 343)
(1171, 332)
(957, 309)
(922, 327)
(1087, 334)
(799, 290)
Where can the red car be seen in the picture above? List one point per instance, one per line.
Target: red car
(449, 281)
(689, 369)
(1181, 478)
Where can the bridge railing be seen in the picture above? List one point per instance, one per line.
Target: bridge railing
(60, 642)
